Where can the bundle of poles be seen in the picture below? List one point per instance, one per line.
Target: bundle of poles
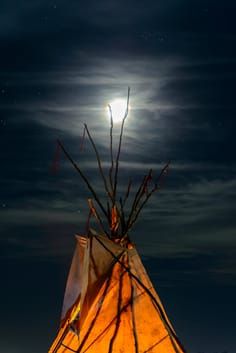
(113, 218)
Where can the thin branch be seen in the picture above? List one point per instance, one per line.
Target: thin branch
(137, 195)
(99, 162)
(122, 206)
(83, 177)
(163, 173)
(96, 215)
(111, 149)
(156, 188)
(120, 143)
(119, 312)
(122, 216)
(82, 141)
(127, 192)
(108, 211)
(132, 221)
(143, 189)
(88, 222)
(133, 311)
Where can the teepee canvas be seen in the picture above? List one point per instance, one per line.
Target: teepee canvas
(110, 304)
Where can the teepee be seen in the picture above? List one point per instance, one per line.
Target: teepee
(110, 304)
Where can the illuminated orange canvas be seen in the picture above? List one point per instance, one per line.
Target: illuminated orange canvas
(110, 304)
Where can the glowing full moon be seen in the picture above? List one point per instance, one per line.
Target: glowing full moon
(118, 107)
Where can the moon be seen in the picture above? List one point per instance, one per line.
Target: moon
(118, 107)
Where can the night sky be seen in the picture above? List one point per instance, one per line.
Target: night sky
(61, 63)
